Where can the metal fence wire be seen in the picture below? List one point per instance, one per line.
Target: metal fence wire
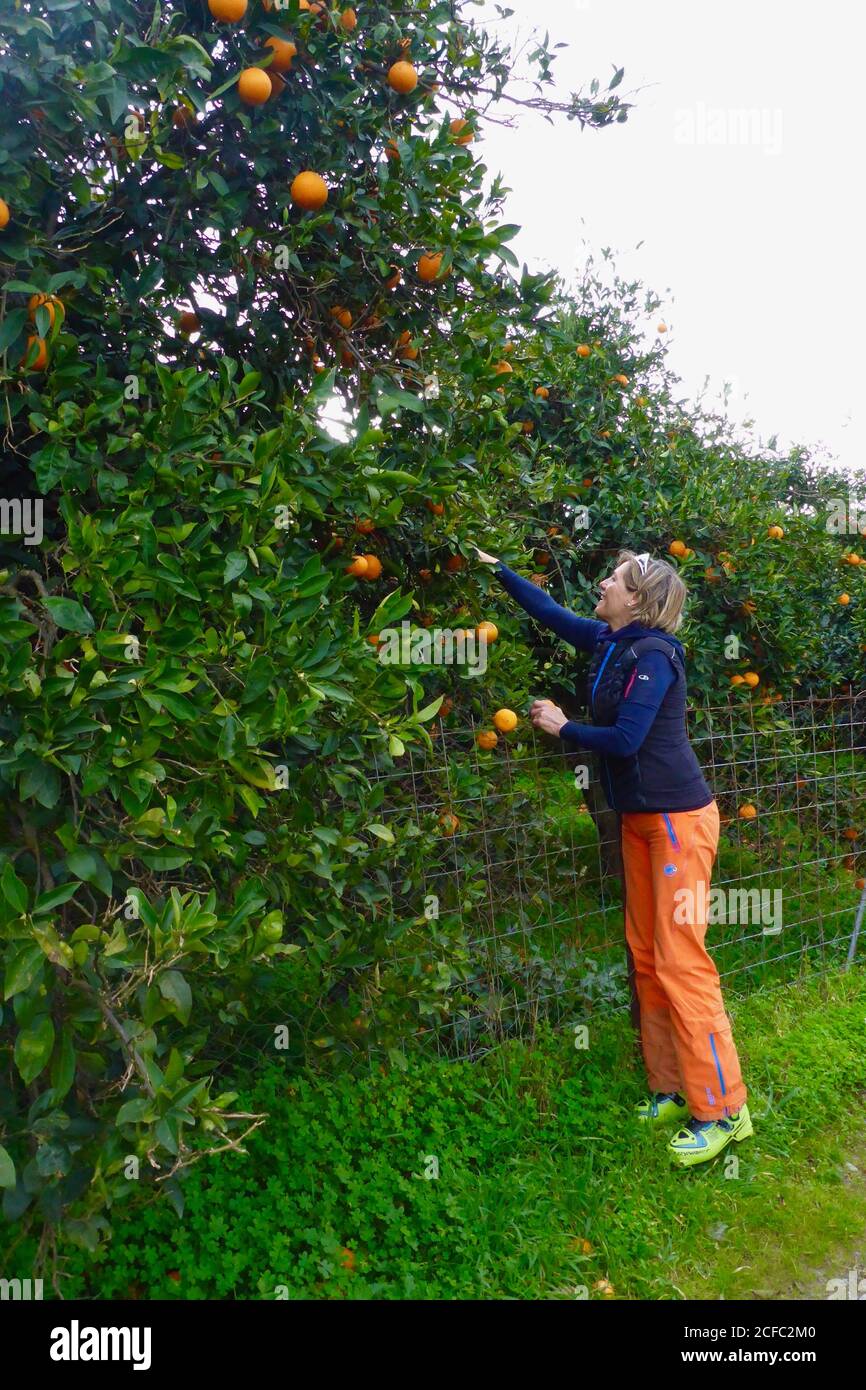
(520, 890)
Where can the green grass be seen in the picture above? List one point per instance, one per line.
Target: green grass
(545, 1187)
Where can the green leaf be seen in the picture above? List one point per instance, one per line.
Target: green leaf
(7, 1169)
(236, 563)
(69, 614)
(22, 970)
(63, 1066)
(14, 891)
(133, 1111)
(33, 1048)
(383, 833)
(86, 864)
(54, 897)
(174, 988)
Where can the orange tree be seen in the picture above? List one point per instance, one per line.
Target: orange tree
(212, 218)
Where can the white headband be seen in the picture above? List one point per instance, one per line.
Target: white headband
(643, 561)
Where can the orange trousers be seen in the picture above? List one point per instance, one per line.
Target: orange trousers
(685, 1033)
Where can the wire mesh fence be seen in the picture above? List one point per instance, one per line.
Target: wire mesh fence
(519, 884)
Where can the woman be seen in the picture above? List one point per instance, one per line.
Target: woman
(670, 836)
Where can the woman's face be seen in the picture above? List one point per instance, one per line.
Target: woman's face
(616, 605)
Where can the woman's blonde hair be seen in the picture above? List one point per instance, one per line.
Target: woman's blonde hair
(661, 593)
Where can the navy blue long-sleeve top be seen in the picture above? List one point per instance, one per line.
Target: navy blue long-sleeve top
(653, 672)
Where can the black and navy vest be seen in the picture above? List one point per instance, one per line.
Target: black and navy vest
(664, 774)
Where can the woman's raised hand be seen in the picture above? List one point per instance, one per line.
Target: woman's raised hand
(487, 559)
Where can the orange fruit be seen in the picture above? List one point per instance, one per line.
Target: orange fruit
(711, 576)
(487, 739)
(528, 426)
(374, 638)
(736, 680)
(393, 282)
(850, 834)
(391, 151)
(748, 608)
(542, 391)
(4, 214)
(854, 558)
(500, 367)
(348, 21)
(358, 567)
(584, 350)
(374, 567)
(541, 557)
(347, 357)
(622, 379)
(347, 1259)
(605, 434)
(462, 131)
(254, 86)
(402, 77)
(309, 191)
(343, 317)
(642, 401)
(284, 52)
(747, 811)
(365, 526)
(48, 302)
(661, 328)
(677, 548)
(505, 720)
(428, 265)
(446, 706)
(40, 362)
(448, 822)
(227, 11)
(860, 883)
(405, 338)
(182, 118)
(775, 533)
(425, 576)
(454, 563)
(844, 599)
(752, 679)
(487, 631)
(437, 508)
(187, 322)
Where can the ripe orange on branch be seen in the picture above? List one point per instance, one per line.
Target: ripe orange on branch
(227, 11)
(187, 322)
(505, 720)
(254, 86)
(284, 52)
(584, 350)
(775, 533)
(462, 131)
(40, 361)
(402, 77)
(49, 302)
(752, 679)
(358, 567)
(309, 191)
(374, 567)
(747, 811)
(487, 739)
(487, 631)
(429, 264)
(678, 548)
(348, 21)
(542, 392)
(4, 214)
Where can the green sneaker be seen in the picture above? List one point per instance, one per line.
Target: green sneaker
(662, 1106)
(701, 1140)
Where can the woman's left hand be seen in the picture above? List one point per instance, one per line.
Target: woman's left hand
(547, 716)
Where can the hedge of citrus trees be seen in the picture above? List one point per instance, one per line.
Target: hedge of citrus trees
(213, 218)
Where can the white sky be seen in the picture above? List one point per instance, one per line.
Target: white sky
(755, 242)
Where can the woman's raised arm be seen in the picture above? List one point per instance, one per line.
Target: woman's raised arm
(582, 633)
